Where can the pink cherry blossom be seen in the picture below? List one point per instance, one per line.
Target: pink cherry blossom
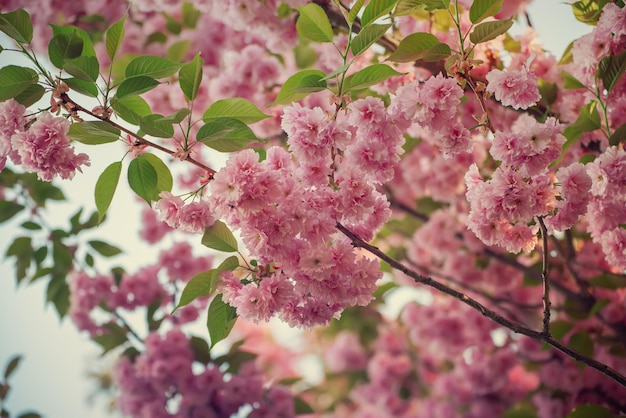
(12, 120)
(516, 88)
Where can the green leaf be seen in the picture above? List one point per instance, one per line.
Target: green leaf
(105, 188)
(413, 47)
(29, 415)
(438, 52)
(142, 178)
(567, 55)
(221, 319)
(597, 307)
(376, 9)
(87, 88)
(131, 108)
(135, 85)
(17, 25)
(155, 125)
(226, 135)
(521, 410)
(304, 55)
(93, 132)
(200, 285)
(408, 7)
(103, 248)
(301, 406)
(436, 4)
(482, 9)
(11, 366)
(64, 47)
(72, 32)
(235, 108)
(608, 281)
(369, 76)
(9, 209)
(58, 292)
(151, 66)
(114, 36)
(611, 68)
(487, 31)
(115, 337)
(548, 91)
(219, 237)
(570, 82)
(367, 37)
(590, 411)
(582, 342)
(177, 52)
(313, 24)
(83, 68)
(15, 80)
(164, 176)
(619, 135)
(300, 85)
(30, 95)
(354, 11)
(190, 77)
(200, 349)
(30, 225)
(560, 328)
(588, 120)
(190, 15)
(176, 117)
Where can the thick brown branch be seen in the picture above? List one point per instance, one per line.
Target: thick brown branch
(498, 319)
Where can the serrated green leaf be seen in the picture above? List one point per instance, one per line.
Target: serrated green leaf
(235, 108)
(30, 95)
(156, 125)
(151, 66)
(84, 68)
(482, 9)
(226, 135)
(219, 237)
(611, 68)
(376, 9)
(11, 366)
(105, 188)
(313, 24)
(135, 85)
(369, 76)
(93, 132)
(64, 47)
(200, 285)
(354, 11)
(190, 77)
(87, 88)
(438, 52)
(15, 80)
(164, 176)
(570, 82)
(9, 209)
(114, 36)
(488, 31)
(142, 178)
(590, 411)
(104, 248)
(131, 108)
(306, 78)
(413, 47)
(367, 37)
(221, 319)
(408, 7)
(17, 25)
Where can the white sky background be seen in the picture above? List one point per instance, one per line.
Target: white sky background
(52, 376)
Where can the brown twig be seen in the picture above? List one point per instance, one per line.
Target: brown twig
(498, 319)
(545, 279)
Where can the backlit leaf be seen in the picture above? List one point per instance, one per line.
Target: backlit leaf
(221, 319)
(488, 31)
(413, 47)
(235, 108)
(376, 9)
(164, 176)
(219, 237)
(370, 76)
(135, 85)
(367, 37)
(93, 132)
(313, 24)
(15, 80)
(226, 135)
(17, 25)
(114, 36)
(482, 9)
(105, 188)
(151, 66)
(142, 178)
(190, 76)
(300, 85)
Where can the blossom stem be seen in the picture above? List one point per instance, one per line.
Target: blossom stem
(495, 317)
(545, 279)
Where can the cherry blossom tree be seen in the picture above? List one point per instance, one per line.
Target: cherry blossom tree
(329, 156)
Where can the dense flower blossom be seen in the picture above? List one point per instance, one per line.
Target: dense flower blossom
(12, 120)
(516, 88)
(45, 149)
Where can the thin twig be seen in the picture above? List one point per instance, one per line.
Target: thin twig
(76, 107)
(498, 319)
(545, 279)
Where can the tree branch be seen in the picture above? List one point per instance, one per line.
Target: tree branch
(545, 280)
(498, 319)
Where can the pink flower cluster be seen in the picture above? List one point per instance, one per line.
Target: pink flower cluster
(606, 214)
(165, 382)
(433, 107)
(287, 207)
(193, 217)
(516, 88)
(44, 148)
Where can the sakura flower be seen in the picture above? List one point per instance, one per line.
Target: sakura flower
(12, 120)
(518, 89)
